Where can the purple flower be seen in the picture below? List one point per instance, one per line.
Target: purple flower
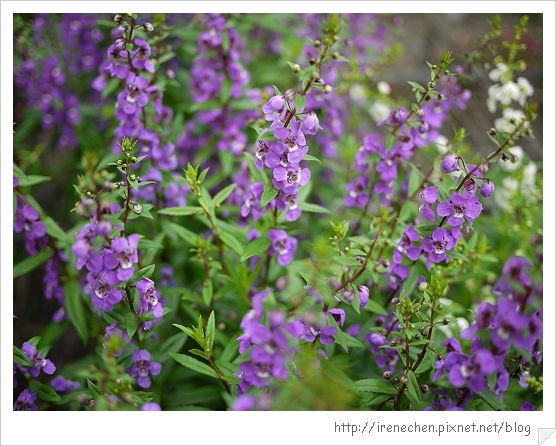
(311, 123)
(26, 401)
(437, 245)
(282, 244)
(430, 194)
(151, 406)
(487, 188)
(363, 296)
(63, 385)
(450, 163)
(102, 288)
(275, 108)
(126, 254)
(142, 367)
(149, 297)
(339, 315)
(474, 371)
(459, 208)
(38, 360)
(289, 179)
(406, 246)
(357, 193)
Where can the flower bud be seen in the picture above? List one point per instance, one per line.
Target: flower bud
(387, 375)
(327, 89)
(148, 27)
(118, 18)
(450, 163)
(487, 188)
(404, 379)
(289, 95)
(137, 208)
(424, 388)
(296, 68)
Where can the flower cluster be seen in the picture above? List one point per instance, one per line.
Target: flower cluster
(269, 346)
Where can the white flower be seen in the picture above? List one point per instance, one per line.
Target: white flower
(442, 144)
(498, 73)
(379, 111)
(504, 124)
(505, 193)
(357, 92)
(384, 87)
(525, 89)
(510, 166)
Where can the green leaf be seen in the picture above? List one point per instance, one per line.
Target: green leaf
(194, 364)
(21, 358)
(376, 399)
(223, 194)
(310, 207)
(225, 90)
(76, 309)
(31, 180)
(257, 246)
(147, 271)
(339, 336)
(145, 243)
(300, 102)
(456, 255)
(270, 192)
(207, 292)
(231, 241)
(419, 87)
(180, 210)
(175, 343)
(45, 393)
(210, 333)
(425, 230)
(413, 386)
(311, 158)
(185, 234)
(375, 307)
(131, 323)
(93, 388)
(375, 386)
(409, 284)
(30, 263)
(53, 230)
(188, 331)
(257, 175)
(415, 179)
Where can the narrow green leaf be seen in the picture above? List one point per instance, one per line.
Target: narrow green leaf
(270, 192)
(375, 386)
(409, 284)
(231, 241)
(207, 292)
(76, 309)
(21, 358)
(194, 364)
(419, 87)
(30, 263)
(93, 388)
(415, 179)
(376, 399)
(300, 101)
(257, 175)
(413, 386)
(147, 271)
(188, 331)
(31, 180)
(180, 210)
(45, 393)
(257, 246)
(310, 207)
(456, 255)
(223, 194)
(56, 232)
(185, 234)
(339, 336)
(311, 158)
(210, 333)
(131, 323)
